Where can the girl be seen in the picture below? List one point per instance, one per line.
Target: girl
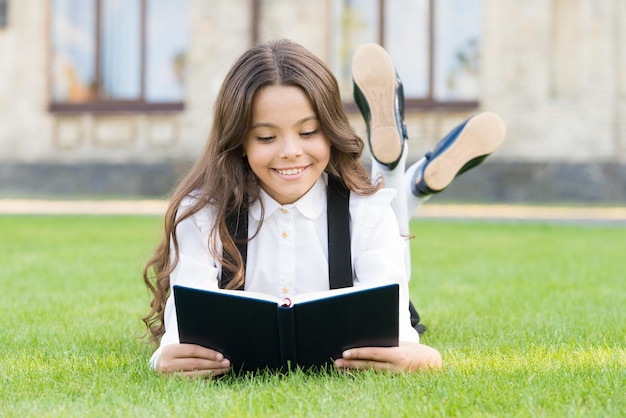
(279, 130)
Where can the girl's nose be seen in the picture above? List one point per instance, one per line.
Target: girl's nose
(291, 147)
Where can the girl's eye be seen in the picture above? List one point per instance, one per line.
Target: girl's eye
(264, 138)
(309, 133)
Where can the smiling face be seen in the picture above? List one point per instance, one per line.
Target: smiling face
(285, 145)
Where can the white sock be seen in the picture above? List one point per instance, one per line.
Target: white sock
(413, 202)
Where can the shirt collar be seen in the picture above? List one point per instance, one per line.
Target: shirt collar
(310, 204)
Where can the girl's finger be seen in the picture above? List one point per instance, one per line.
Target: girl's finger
(380, 354)
(345, 364)
(204, 374)
(194, 351)
(177, 364)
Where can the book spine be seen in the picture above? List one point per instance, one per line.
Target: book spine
(287, 337)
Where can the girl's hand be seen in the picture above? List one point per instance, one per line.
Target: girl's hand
(192, 361)
(407, 357)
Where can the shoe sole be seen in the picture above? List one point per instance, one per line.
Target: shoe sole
(374, 74)
(481, 136)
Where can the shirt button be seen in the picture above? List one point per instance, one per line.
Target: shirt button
(283, 210)
(285, 290)
(285, 234)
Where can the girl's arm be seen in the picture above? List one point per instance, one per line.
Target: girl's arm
(407, 357)
(379, 252)
(196, 268)
(192, 361)
(380, 257)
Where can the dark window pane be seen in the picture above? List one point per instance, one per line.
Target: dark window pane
(4, 13)
(120, 33)
(73, 50)
(167, 39)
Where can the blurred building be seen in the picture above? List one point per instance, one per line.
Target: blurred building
(115, 97)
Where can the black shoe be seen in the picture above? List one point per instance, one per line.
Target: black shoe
(464, 147)
(415, 320)
(379, 94)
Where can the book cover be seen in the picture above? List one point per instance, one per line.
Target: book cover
(256, 331)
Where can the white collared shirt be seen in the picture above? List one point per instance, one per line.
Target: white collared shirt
(289, 256)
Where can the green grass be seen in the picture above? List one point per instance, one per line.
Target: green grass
(529, 319)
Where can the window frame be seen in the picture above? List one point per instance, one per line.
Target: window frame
(429, 102)
(103, 105)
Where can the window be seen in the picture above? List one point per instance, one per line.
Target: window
(4, 13)
(434, 44)
(118, 55)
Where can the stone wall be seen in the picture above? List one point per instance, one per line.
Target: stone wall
(555, 71)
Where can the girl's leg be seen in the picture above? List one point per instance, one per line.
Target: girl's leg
(395, 179)
(379, 94)
(466, 146)
(405, 203)
(463, 148)
(413, 202)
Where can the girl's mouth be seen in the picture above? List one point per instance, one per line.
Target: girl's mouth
(289, 171)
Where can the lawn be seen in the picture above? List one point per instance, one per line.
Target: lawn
(529, 318)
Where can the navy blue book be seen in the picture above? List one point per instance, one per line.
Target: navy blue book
(257, 331)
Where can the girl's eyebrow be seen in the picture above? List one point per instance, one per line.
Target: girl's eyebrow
(271, 125)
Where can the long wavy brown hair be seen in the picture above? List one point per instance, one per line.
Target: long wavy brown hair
(221, 176)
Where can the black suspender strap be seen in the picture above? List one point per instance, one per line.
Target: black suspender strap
(237, 224)
(338, 214)
(339, 254)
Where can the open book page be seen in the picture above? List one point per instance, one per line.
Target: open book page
(301, 298)
(323, 294)
(250, 295)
